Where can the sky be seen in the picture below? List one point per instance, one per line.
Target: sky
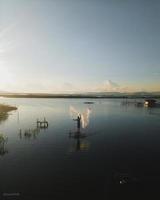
(57, 46)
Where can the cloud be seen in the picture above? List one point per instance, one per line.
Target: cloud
(105, 86)
(48, 86)
(68, 87)
(6, 30)
(108, 86)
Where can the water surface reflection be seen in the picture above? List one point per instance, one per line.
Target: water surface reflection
(3, 141)
(115, 149)
(3, 116)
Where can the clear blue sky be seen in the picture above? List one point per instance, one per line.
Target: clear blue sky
(79, 45)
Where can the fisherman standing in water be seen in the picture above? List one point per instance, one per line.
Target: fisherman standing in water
(78, 122)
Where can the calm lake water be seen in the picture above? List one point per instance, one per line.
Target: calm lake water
(116, 154)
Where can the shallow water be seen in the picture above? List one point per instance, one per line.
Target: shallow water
(60, 162)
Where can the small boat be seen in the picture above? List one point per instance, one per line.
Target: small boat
(150, 103)
(88, 102)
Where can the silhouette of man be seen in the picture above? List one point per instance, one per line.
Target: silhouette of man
(78, 122)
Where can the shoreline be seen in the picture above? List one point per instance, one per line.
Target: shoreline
(78, 96)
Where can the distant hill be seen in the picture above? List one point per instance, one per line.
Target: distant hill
(117, 94)
(146, 94)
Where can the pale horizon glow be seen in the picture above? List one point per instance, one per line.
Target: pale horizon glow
(75, 46)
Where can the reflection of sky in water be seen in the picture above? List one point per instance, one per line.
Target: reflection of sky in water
(117, 138)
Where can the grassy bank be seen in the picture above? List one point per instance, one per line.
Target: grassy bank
(7, 108)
